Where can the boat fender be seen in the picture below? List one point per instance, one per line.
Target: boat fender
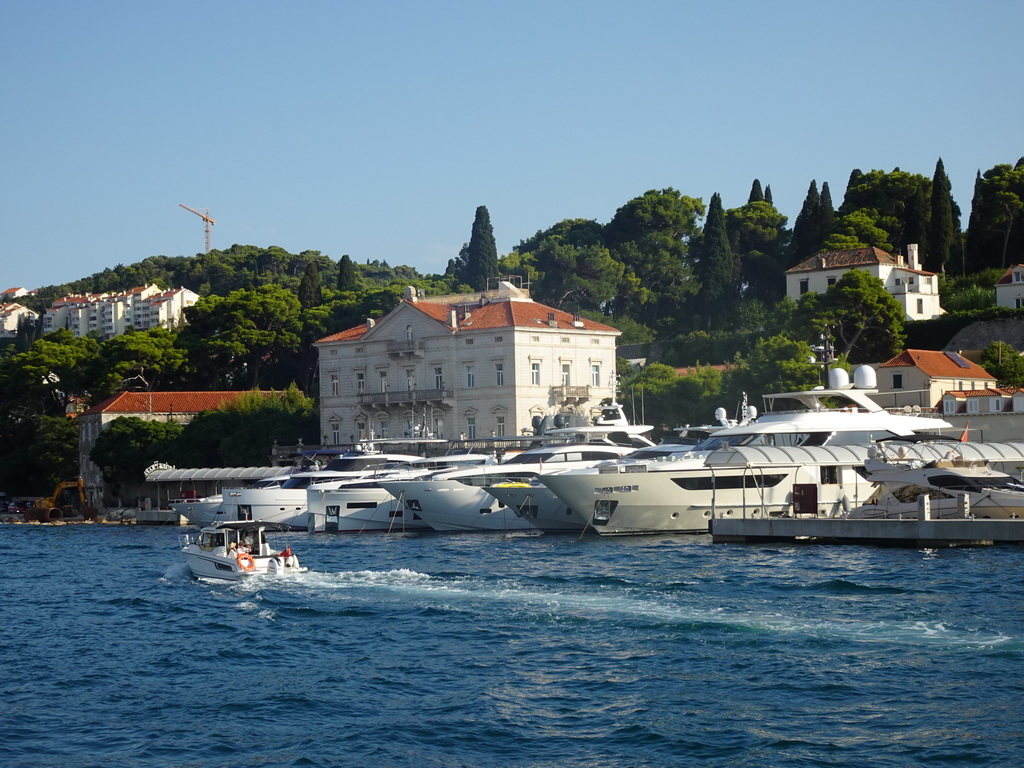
(246, 562)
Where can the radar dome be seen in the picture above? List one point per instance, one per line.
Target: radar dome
(864, 378)
(838, 378)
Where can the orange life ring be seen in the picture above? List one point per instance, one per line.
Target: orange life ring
(245, 562)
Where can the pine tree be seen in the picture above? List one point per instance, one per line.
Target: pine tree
(347, 278)
(756, 195)
(940, 233)
(310, 294)
(806, 234)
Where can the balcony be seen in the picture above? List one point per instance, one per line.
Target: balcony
(405, 348)
(405, 396)
(571, 394)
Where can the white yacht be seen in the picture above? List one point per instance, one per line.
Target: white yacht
(958, 480)
(219, 507)
(285, 504)
(457, 501)
(680, 495)
(364, 506)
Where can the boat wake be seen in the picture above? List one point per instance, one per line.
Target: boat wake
(684, 612)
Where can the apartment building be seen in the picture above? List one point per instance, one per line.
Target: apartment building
(915, 289)
(493, 363)
(111, 314)
(12, 315)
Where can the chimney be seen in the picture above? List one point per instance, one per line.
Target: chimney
(551, 320)
(453, 319)
(577, 321)
(370, 322)
(410, 294)
(912, 256)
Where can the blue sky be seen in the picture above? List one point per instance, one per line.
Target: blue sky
(376, 128)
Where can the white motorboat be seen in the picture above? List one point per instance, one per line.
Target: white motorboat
(208, 510)
(286, 504)
(680, 494)
(364, 506)
(458, 501)
(236, 550)
(958, 480)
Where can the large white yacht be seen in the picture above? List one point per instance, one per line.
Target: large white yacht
(364, 506)
(746, 465)
(457, 501)
(286, 504)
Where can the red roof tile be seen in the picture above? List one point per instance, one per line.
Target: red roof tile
(167, 402)
(937, 364)
(1007, 277)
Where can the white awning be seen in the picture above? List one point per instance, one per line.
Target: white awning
(215, 474)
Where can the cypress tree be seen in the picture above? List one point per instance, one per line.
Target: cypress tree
(756, 195)
(481, 253)
(806, 235)
(768, 195)
(915, 222)
(717, 265)
(973, 249)
(940, 233)
(826, 212)
(347, 280)
(310, 294)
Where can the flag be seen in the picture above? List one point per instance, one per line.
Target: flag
(963, 435)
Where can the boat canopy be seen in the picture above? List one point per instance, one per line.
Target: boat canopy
(219, 474)
(858, 454)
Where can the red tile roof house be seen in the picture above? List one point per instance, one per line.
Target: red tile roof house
(180, 407)
(479, 365)
(916, 290)
(1010, 288)
(920, 377)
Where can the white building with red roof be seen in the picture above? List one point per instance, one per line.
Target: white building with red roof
(486, 364)
(920, 377)
(12, 315)
(1010, 288)
(111, 314)
(178, 407)
(915, 289)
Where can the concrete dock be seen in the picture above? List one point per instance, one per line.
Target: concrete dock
(896, 533)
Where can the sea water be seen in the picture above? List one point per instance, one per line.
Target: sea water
(509, 650)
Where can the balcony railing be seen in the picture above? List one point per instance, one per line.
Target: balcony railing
(564, 394)
(401, 397)
(404, 347)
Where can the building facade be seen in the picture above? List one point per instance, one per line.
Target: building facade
(920, 377)
(488, 364)
(916, 290)
(111, 314)
(178, 407)
(12, 315)
(1010, 288)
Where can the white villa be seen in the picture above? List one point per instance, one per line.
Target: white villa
(915, 289)
(1010, 288)
(493, 363)
(111, 314)
(12, 315)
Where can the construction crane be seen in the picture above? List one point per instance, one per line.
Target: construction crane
(206, 218)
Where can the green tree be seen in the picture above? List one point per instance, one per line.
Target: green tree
(807, 234)
(347, 277)
(478, 260)
(1005, 363)
(232, 340)
(47, 378)
(858, 229)
(756, 194)
(995, 239)
(757, 234)
(137, 360)
(574, 267)
(310, 293)
(776, 364)
(129, 445)
(716, 265)
(865, 319)
(940, 233)
(886, 198)
(650, 236)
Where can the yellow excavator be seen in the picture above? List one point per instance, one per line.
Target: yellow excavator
(67, 502)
